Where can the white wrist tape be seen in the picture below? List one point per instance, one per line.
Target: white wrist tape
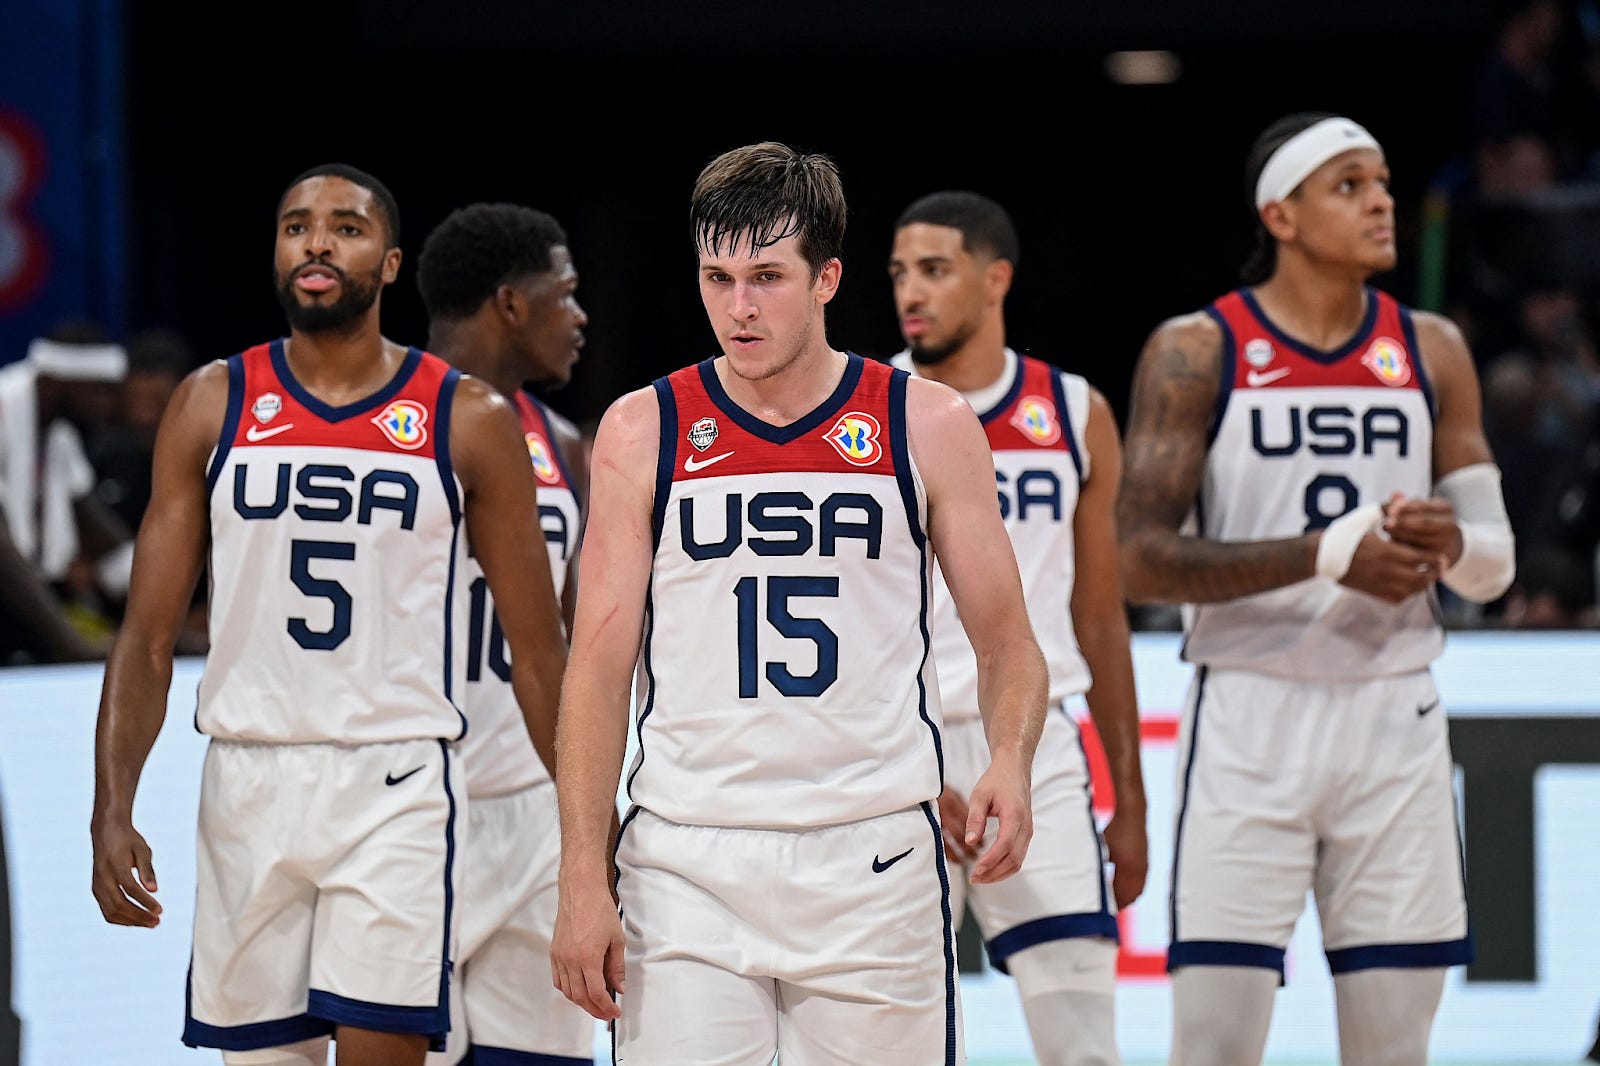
(1488, 550)
(1342, 537)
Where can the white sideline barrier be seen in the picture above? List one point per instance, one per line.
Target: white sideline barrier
(92, 993)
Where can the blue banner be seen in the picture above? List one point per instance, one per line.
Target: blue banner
(62, 172)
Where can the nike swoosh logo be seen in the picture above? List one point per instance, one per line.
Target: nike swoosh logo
(255, 433)
(390, 779)
(1255, 379)
(880, 865)
(1426, 707)
(691, 464)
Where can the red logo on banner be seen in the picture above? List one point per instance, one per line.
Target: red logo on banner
(24, 258)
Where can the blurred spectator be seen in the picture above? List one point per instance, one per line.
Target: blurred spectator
(158, 359)
(1553, 590)
(63, 554)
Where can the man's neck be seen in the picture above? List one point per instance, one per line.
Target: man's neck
(792, 393)
(469, 348)
(1322, 308)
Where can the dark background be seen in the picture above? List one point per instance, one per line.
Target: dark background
(1129, 199)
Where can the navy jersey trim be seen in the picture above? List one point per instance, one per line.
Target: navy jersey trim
(379, 1017)
(1094, 826)
(950, 1037)
(1183, 810)
(1058, 388)
(1225, 953)
(1401, 956)
(649, 678)
(900, 449)
(255, 1035)
(666, 457)
(1009, 398)
(1409, 328)
(230, 420)
(441, 1013)
(1043, 930)
(1357, 339)
(1230, 367)
(484, 1055)
(328, 413)
(441, 441)
(782, 434)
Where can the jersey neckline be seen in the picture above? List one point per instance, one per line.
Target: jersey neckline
(800, 427)
(329, 413)
(1368, 319)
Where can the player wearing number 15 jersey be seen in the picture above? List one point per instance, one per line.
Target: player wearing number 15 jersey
(760, 546)
(333, 477)
(1305, 462)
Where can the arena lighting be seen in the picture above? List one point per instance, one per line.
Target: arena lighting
(1154, 67)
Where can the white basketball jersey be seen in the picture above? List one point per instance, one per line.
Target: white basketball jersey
(785, 674)
(1301, 437)
(497, 752)
(335, 549)
(1035, 430)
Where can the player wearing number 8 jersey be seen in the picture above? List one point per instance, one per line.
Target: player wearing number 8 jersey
(1305, 461)
(333, 477)
(766, 569)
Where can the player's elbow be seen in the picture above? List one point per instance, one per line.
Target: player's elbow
(1136, 556)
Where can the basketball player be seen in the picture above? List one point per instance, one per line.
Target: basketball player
(500, 290)
(1057, 460)
(325, 478)
(767, 567)
(1305, 462)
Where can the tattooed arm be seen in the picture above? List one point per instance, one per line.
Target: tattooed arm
(1174, 399)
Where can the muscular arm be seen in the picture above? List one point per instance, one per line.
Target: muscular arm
(502, 515)
(980, 569)
(167, 560)
(586, 954)
(1174, 398)
(1100, 622)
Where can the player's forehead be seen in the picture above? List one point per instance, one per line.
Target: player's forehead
(1354, 162)
(927, 240)
(742, 255)
(327, 194)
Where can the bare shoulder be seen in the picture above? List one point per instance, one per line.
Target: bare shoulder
(932, 404)
(1187, 345)
(200, 402)
(476, 399)
(630, 429)
(1440, 342)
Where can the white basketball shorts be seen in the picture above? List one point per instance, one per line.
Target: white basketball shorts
(1341, 789)
(327, 877)
(502, 1001)
(825, 946)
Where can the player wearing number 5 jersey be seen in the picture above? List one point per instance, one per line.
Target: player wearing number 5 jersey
(1305, 462)
(330, 480)
(760, 548)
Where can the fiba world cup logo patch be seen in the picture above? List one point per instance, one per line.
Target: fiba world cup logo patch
(266, 407)
(855, 436)
(543, 459)
(1036, 418)
(703, 433)
(402, 422)
(1387, 361)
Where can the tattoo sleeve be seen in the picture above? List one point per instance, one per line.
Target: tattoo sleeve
(1174, 396)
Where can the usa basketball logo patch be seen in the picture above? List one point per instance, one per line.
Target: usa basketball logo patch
(402, 422)
(855, 436)
(266, 407)
(1036, 418)
(1387, 361)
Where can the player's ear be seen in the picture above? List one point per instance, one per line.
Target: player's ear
(997, 277)
(391, 265)
(1278, 218)
(509, 304)
(827, 283)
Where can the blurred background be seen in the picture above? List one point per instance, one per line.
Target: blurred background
(143, 148)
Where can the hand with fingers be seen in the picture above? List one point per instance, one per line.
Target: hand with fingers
(1004, 793)
(953, 826)
(1392, 568)
(1429, 525)
(586, 952)
(1128, 848)
(124, 880)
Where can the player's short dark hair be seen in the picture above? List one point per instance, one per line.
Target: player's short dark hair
(762, 193)
(1263, 259)
(355, 176)
(478, 248)
(985, 226)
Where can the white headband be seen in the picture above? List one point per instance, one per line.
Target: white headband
(78, 362)
(1307, 150)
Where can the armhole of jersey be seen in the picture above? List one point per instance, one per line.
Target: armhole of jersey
(441, 447)
(558, 427)
(1409, 327)
(1072, 395)
(666, 453)
(912, 492)
(1225, 377)
(230, 421)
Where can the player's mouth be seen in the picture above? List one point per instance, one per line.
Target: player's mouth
(316, 278)
(913, 326)
(745, 341)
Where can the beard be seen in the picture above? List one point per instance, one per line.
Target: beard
(355, 299)
(931, 354)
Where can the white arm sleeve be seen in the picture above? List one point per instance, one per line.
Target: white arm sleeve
(1488, 550)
